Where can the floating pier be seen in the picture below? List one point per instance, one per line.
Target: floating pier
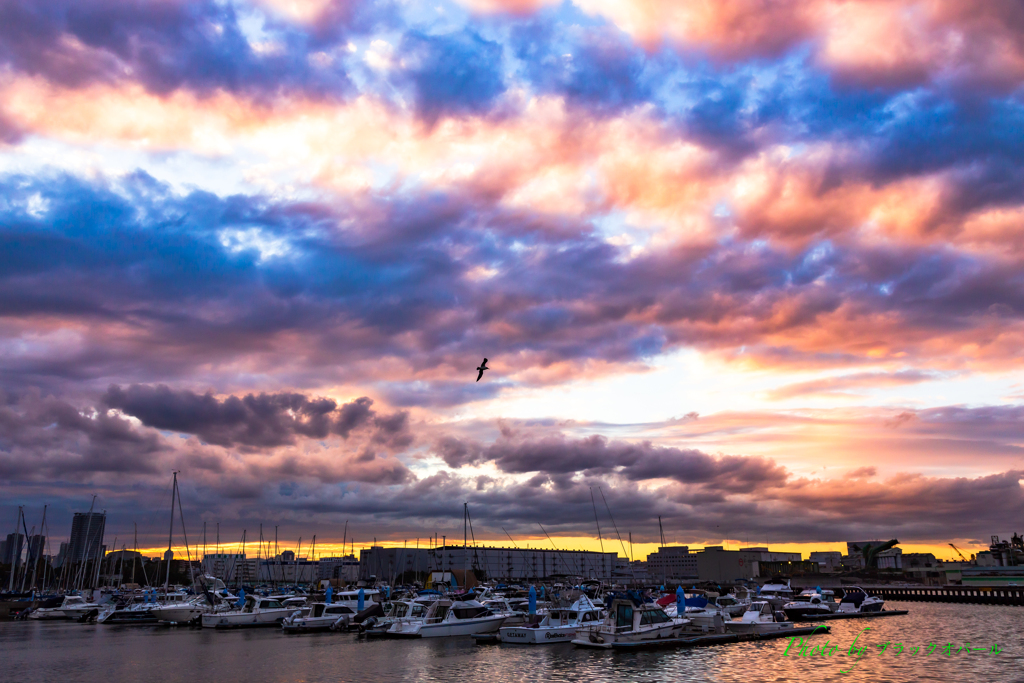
(855, 615)
(720, 638)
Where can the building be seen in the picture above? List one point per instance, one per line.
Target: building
(12, 549)
(231, 568)
(286, 568)
(673, 563)
(344, 569)
(718, 565)
(510, 564)
(36, 547)
(86, 542)
(762, 554)
(888, 559)
(828, 561)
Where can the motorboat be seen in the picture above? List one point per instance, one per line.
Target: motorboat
(734, 604)
(446, 618)
(758, 619)
(811, 602)
(320, 616)
(405, 611)
(183, 612)
(630, 619)
(140, 608)
(515, 612)
(72, 607)
(557, 626)
(351, 598)
(256, 611)
(856, 599)
(777, 593)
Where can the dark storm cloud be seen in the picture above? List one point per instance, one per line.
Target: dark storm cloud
(44, 436)
(255, 420)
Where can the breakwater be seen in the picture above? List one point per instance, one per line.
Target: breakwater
(977, 595)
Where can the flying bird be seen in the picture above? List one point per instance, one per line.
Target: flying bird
(480, 370)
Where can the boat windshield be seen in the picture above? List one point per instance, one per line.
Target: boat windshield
(624, 617)
(399, 610)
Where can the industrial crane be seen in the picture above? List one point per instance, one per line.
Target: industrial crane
(958, 552)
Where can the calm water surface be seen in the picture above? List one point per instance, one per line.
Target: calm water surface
(32, 652)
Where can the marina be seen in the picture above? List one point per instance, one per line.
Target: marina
(45, 651)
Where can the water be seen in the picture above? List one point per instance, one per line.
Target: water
(50, 652)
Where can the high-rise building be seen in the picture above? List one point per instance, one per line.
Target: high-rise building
(12, 548)
(86, 541)
(36, 547)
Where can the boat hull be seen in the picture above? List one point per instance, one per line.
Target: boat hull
(245, 619)
(536, 636)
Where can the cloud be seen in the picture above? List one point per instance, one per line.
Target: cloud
(842, 384)
(255, 420)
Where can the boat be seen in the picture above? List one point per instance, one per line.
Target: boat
(320, 616)
(734, 604)
(777, 593)
(759, 619)
(856, 599)
(811, 602)
(446, 618)
(72, 607)
(516, 612)
(630, 619)
(557, 626)
(257, 611)
(407, 611)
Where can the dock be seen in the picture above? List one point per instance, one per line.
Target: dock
(856, 615)
(720, 638)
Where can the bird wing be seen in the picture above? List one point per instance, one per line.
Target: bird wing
(480, 375)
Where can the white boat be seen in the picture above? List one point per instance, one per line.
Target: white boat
(630, 620)
(513, 613)
(72, 607)
(406, 611)
(257, 611)
(446, 618)
(351, 598)
(811, 602)
(856, 599)
(734, 604)
(778, 594)
(758, 619)
(557, 626)
(320, 616)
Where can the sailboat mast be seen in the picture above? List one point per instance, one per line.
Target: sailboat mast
(170, 535)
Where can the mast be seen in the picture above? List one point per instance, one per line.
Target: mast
(465, 550)
(312, 558)
(170, 534)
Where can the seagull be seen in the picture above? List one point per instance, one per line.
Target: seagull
(483, 366)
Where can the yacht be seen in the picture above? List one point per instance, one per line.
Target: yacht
(320, 616)
(856, 599)
(351, 598)
(557, 626)
(758, 619)
(811, 602)
(72, 607)
(630, 619)
(515, 613)
(404, 611)
(449, 618)
(777, 593)
(257, 611)
(734, 604)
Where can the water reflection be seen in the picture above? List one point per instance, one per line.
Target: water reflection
(57, 651)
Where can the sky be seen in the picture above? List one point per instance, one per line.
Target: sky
(754, 268)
